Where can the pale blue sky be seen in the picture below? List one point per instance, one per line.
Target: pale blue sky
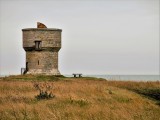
(98, 37)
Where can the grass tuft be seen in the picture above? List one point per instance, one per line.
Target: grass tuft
(79, 102)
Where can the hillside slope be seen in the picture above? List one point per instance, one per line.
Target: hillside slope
(75, 99)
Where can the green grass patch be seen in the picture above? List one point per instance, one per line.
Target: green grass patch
(122, 99)
(68, 102)
(34, 78)
(80, 103)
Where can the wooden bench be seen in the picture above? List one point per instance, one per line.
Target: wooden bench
(77, 75)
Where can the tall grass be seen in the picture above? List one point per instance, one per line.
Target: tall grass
(149, 89)
(75, 99)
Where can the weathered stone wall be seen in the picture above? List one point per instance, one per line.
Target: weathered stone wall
(45, 60)
(49, 37)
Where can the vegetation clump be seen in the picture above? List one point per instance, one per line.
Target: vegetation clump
(79, 102)
(148, 89)
(45, 90)
(152, 93)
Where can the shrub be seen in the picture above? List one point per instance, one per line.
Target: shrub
(45, 90)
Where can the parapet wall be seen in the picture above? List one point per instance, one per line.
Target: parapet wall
(50, 37)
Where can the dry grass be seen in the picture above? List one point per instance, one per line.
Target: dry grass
(149, 89)
(75, 99)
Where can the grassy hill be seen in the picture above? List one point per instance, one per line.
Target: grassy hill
(78, 99)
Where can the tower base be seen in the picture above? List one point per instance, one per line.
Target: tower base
(44, 72)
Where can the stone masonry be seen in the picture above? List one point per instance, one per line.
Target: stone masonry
(42, 46)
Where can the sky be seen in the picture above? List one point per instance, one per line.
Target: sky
(118, 37)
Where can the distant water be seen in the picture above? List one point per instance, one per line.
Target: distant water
(126, 77)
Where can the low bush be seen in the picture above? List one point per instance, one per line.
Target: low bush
(45, 90)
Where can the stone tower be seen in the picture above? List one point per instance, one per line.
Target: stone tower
(42, 45)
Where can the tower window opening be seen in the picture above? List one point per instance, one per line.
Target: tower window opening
(38, 62)
(38, 45)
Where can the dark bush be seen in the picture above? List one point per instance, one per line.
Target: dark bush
(45, 90)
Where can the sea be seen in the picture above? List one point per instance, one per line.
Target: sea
(125, 77)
